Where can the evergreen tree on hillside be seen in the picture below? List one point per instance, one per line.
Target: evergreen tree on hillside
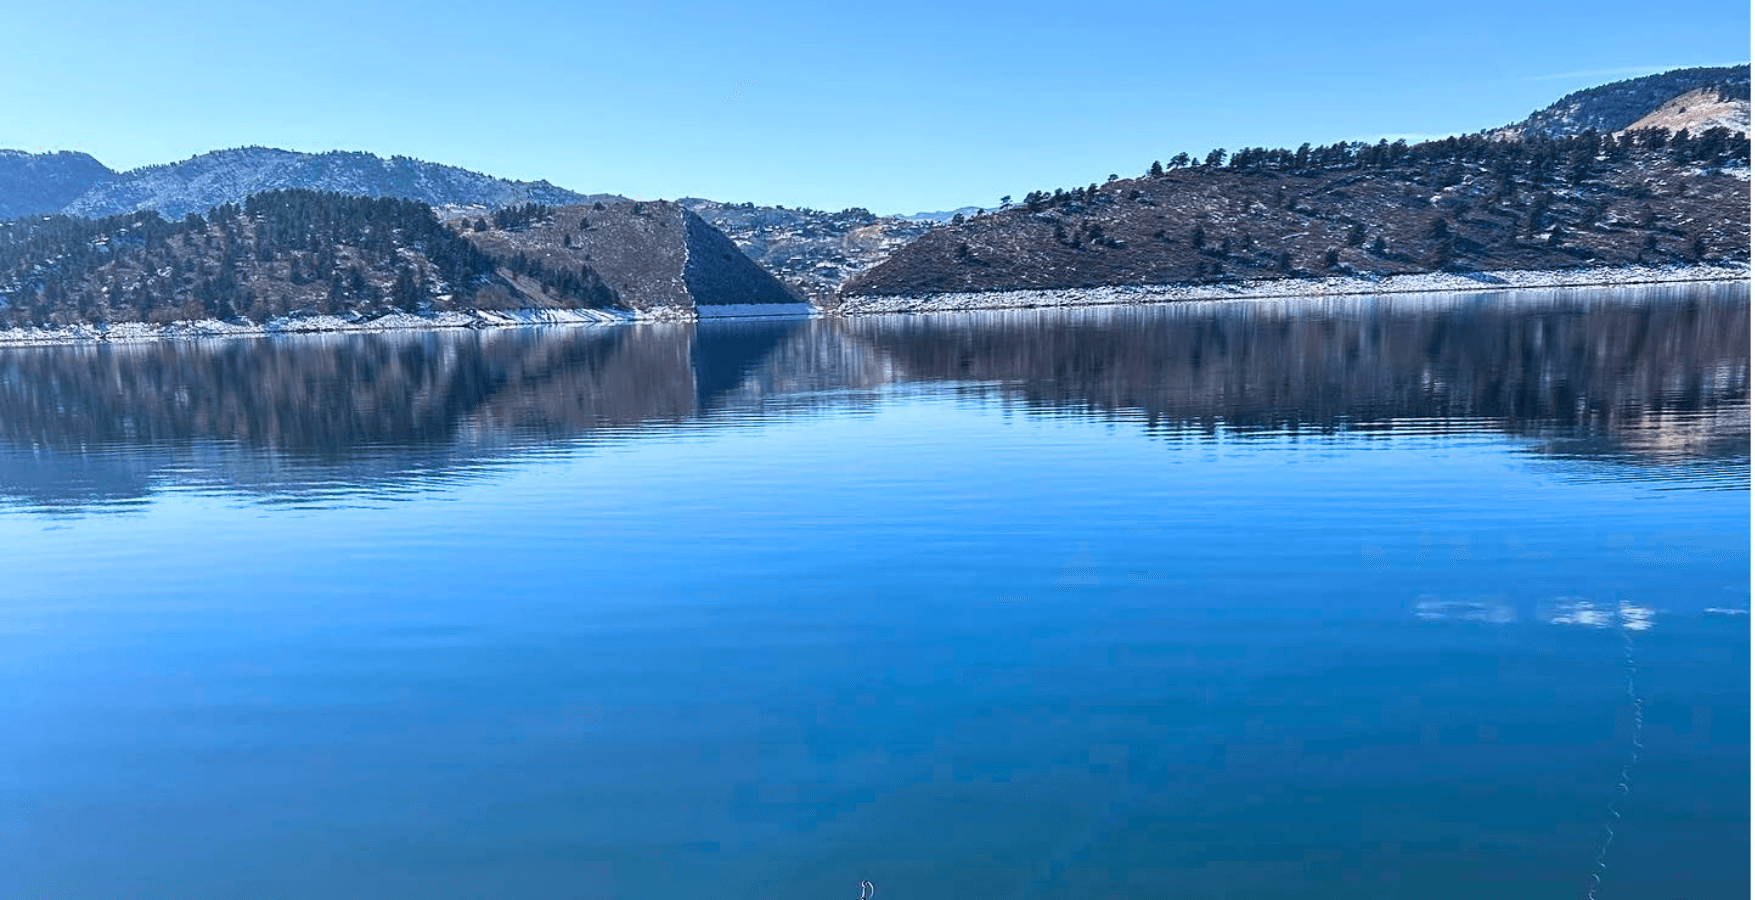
(405, 293)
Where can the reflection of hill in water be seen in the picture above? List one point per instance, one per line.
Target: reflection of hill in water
(1659, 376)
(1602, 366)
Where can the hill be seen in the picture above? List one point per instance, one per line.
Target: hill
(228, 176)
(651, 254)
(1623, 104)
(46, 182)
(811, 250)
(1470, 203)
(301, 254)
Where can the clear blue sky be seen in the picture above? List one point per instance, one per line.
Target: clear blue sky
(897, 105)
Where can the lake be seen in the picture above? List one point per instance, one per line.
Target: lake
(1418, 597)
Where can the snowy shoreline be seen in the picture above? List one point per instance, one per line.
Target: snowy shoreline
(127, 332)
(1068, 298)
(1282, 288)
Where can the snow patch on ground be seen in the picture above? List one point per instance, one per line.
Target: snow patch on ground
(1296, 287)
(476, 318)
(141, 331)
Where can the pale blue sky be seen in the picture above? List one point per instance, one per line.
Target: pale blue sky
(895, 106)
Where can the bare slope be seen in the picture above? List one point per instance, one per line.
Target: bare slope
(1698, 111)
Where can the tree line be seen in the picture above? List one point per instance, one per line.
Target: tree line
(1537, 160)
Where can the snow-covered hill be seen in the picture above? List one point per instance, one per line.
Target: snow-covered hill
(228, 176)
(32, 183)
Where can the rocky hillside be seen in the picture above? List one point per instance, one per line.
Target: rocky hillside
(46, 182)
(1623, 104)
(1460, 204)
(815, 252)
(650, 254)
(293, 254)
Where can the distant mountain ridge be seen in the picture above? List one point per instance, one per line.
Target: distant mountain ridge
(1623, 104)
(76, 184)
(943, 215)
(32, 183)
(227, 176)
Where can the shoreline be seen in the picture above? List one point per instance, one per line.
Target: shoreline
(134, 332)
(968, 301)
(1293, 288)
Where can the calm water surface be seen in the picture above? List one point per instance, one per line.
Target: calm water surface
(1327, 599)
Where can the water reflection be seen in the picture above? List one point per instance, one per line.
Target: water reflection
(1493, 611)
(1577, 611)
(1649, 384)
(1657, 374)
(1586, 613)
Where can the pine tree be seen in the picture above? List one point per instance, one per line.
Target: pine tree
(405, 293)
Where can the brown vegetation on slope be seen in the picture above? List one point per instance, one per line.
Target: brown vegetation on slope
(1216, 223)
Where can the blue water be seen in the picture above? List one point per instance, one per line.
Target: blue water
(1320, 599)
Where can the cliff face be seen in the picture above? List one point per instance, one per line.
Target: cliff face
(651, 255)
